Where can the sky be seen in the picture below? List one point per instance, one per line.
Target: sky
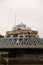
(30, 12)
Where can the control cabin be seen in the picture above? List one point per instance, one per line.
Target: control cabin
(20, 29)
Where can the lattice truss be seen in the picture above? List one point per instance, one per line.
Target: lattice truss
(21, 42)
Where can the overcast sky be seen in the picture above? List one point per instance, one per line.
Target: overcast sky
(30, 12)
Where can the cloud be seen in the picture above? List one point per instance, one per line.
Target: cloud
(28, 11)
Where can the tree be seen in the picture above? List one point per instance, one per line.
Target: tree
(1, 36)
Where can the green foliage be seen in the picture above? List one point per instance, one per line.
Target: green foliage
(1, 36)
(4, 52)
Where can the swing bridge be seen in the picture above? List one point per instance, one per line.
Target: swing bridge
(28, 41)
